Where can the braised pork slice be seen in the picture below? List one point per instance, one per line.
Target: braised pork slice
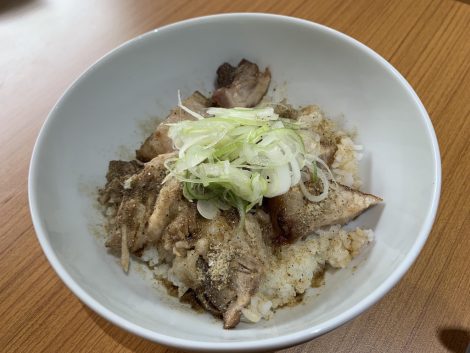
(165, 209)
(173, 219)
(245, 280)
(118, 172)
(235, 264)
(219, 262)
(241, 86)
(294, 216)
(159, 142)
(139, 193)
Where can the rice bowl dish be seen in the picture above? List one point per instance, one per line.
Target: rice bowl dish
(238, 208)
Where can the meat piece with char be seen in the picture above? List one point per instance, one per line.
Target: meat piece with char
(159, 142)
(294, 217)
(242, 86)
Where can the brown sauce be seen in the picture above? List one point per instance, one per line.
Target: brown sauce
(299, 298)
(190, 298)
(281, 235)
(171, 289)
(318, 279)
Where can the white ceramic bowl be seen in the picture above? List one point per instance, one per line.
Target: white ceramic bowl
(103, 109)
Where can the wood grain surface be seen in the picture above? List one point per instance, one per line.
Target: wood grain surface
(46, 44)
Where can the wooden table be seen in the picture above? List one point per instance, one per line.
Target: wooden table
(45, 45)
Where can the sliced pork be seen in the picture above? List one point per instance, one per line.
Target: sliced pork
(295, 217)
(159, 142)
(127, 229)
(241, 86)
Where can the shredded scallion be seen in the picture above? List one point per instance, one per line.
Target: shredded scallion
(235, 157)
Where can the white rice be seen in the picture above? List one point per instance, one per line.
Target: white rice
(345, 166)
(291, 274)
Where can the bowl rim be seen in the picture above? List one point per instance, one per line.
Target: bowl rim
(252, 344)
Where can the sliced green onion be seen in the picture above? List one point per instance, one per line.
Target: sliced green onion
(235, 157)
